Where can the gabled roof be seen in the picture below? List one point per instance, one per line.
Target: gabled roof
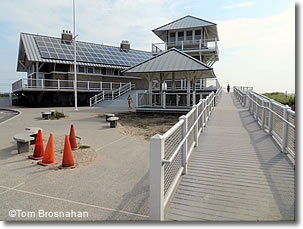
(172, 61)
(38, 48)
(185, 23)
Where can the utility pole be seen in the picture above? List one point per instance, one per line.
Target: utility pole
(75, 65)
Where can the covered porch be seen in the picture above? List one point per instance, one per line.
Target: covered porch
(171, 65)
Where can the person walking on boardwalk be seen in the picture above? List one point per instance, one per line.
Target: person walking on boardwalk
(130, 101)
(228, 88)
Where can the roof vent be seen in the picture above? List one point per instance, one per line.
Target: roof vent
(125, 46)
(66, 36)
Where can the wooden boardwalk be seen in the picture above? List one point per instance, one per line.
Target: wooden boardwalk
(236, 173)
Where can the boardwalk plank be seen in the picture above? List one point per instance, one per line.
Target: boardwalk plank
(236, 173)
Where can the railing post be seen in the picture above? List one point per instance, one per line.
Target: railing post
(100, 86)
(204, 114)
(111, 86)
(263, 114)
(90, 102)
(285, 129)
(164, 100)
(184, 147)
(113, 96)
(196, 129)
(182, 45)
(95, 99)
(58, 84)
(257, 110)
(200, 43)
(270, 119)
(156, 188)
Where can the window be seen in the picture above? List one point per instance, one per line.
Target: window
(103, 71)
(197, 34)
(172, 37)
(180, 36)
(81, 69)
(189, 35)
(90, 70)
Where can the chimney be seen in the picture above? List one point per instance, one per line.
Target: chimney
(66, 36)
(124, 46)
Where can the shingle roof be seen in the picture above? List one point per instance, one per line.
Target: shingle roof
(101, 58)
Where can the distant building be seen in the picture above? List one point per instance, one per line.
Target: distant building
(49, 63)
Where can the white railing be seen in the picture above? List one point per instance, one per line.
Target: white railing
(181, 84)
(185, 45)
(170, 152)
(57, 84)
(168, 99)
(111, 95)
(278, 119)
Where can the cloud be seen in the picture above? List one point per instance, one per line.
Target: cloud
(258, 52)
(239, 5)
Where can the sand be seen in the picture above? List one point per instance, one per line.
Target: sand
(82, 157)
(144, 125)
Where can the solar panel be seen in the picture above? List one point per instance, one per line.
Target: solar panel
(55, 48)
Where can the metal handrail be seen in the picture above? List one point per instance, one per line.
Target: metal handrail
(242, 96)
(170, 160)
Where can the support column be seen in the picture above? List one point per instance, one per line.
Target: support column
(188, 92)
(194, 92)
(150, 90)
(173, 86)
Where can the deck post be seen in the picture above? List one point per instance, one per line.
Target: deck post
(270, 119)
(137, 98)
(150, 91)
(184, 147)
(164, 100)
(156, 188)
(188, 92)
(196, 129)
(263, 114)
(285, 129)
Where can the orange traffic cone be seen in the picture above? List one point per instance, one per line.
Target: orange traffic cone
(68, 160)
(39, 150)
(49, 155)
(72, 138)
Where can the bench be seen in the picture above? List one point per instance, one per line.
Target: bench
(33, 132)
(113, 121)
(107, 116)
(46, 115)
(23, 140)
(52, 112)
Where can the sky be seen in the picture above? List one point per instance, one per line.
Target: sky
(256, 37)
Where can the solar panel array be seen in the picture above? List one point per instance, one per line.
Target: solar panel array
(55, 48)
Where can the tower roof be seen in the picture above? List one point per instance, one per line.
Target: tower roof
(185, 23)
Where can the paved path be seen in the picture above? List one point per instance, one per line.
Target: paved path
(236, 173)
(115, 186)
